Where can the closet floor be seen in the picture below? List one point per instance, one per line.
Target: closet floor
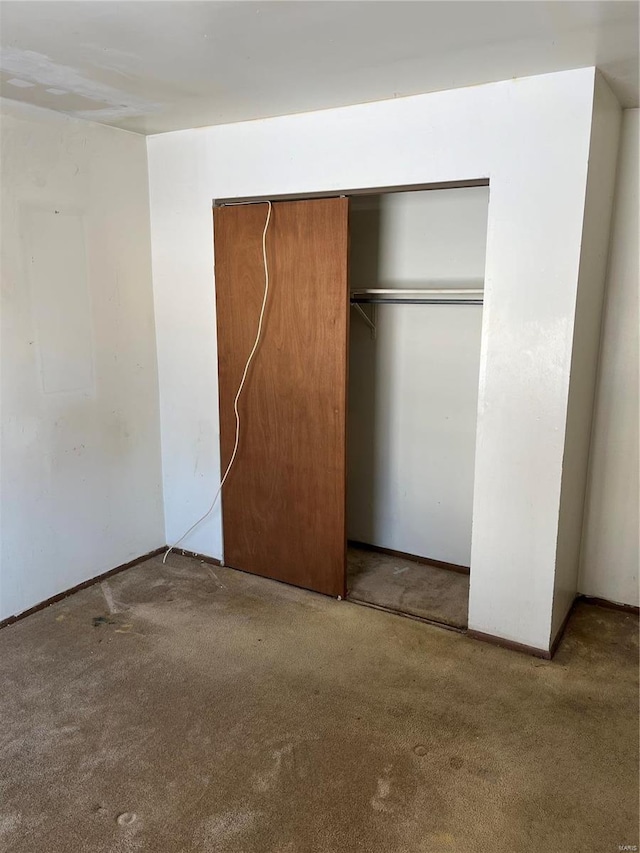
(406, 586)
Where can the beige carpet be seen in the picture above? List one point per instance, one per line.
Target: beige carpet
(405, 586)
(182, 708)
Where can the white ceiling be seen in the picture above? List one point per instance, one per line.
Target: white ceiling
(151, 66)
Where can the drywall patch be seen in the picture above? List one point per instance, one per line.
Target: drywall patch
(54, 246)
(32, 68)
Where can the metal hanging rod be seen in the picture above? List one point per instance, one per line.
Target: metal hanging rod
(381, 300)
(423, 296)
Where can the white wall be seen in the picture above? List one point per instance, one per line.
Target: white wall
(81, 467)
(610, 552)
(531, 138)
(603, 155)
(413, 391)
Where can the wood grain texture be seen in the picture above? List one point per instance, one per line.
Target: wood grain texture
(284, 503)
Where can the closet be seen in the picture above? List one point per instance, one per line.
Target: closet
(416, 274)
(357, 418)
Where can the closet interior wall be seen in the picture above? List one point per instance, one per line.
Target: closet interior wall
(413, 389)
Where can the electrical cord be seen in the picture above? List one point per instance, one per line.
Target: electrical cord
(239, 392)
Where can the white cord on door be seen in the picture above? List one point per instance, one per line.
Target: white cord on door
(239, 392)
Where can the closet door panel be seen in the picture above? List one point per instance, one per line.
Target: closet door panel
(284, 504)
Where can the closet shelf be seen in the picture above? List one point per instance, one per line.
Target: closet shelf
(422, 296)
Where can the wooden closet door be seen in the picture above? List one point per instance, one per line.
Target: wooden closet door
(284, 502)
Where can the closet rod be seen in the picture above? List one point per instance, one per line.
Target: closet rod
(430, 300)
(422, 291)
(423, 296)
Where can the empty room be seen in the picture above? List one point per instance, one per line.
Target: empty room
(319, 347)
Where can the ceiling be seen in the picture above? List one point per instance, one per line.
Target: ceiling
(151, 66)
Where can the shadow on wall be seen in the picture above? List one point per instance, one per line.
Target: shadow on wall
(365, 227)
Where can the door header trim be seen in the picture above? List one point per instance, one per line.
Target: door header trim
(442, 185)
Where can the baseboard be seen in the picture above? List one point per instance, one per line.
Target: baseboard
(194, 554)
(424, 561)
(84, 585)
(541, 653)
(563, 626)
(529, 650)
(609, 605)
(476, 635)
(509, 644)
(521, 647)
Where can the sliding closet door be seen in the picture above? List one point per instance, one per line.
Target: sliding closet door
(283, 505)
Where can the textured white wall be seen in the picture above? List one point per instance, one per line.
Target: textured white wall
(531, 138)
(413, 391)
(610, 546)
(81, 467)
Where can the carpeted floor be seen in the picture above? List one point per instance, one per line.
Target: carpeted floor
(184, 708)
(406, 586)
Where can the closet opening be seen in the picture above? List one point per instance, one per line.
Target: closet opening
(416, 281)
